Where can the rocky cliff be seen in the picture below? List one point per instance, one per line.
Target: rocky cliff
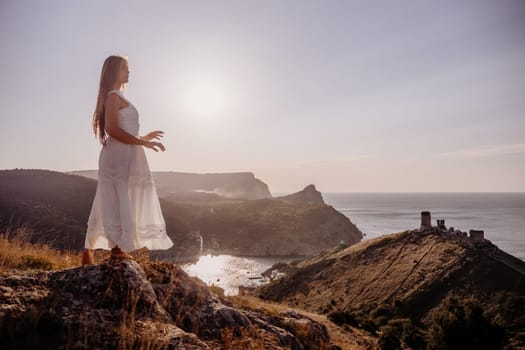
(296, 225)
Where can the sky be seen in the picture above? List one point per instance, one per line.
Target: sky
(351, 96)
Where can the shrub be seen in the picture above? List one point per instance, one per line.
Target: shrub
(366, 316)
(342, 317)
(460, 324)
(401, 331)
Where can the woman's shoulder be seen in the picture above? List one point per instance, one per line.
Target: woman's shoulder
(112, 95)
(112, 98)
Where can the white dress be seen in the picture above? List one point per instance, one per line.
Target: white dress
(126, 209)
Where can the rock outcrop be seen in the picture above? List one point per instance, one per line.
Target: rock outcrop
(308, 195)
(124, 304)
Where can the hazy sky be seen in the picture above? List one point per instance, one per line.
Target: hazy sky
(348, 95)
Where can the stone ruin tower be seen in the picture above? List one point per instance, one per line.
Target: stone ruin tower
(425, 221)
(476, 235)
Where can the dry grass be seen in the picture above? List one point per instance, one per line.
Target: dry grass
(17, 252)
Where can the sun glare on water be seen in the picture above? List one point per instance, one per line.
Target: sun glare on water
(229, 272)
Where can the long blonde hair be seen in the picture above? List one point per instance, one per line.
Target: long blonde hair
(108, 77)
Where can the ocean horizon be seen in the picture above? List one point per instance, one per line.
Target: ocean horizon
(501, 215)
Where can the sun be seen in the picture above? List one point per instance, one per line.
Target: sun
(206, 99)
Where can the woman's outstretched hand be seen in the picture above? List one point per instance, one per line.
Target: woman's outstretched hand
(152, 145)
(157, 134)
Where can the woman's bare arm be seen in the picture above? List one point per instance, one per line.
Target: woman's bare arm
(115, 131)
(125, 137)
(112, 126)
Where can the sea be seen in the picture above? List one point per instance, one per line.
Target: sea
(501, 215)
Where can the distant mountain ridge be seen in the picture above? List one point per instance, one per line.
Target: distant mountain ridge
(238, 185)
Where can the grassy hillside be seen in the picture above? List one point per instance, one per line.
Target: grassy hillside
(405, 275)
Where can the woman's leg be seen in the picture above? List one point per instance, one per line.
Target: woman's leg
(88, 257)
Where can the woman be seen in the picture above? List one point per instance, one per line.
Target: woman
(126, 213)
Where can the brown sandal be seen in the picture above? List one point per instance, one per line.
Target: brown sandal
(118, 253)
